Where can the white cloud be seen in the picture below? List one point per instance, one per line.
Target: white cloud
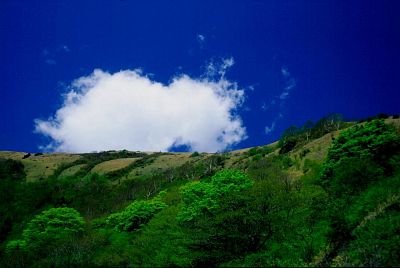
(127, 110)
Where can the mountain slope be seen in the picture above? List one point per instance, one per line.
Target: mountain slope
(327, 199)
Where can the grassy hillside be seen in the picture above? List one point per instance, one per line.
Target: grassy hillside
(323, 195)
(40, 166)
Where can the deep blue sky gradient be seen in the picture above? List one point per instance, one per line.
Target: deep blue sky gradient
(343, 55)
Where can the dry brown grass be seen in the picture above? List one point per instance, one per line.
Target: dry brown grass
(112, 165)
(161, 163)
(71, 171)
(395, 122)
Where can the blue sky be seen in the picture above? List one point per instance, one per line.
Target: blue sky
(293, 61)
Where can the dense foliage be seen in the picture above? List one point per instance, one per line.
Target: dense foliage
(260, 209)
(361, 175)
(136, 214)
(202, 198)
(49, 227)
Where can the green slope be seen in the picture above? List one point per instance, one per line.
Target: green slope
(330, 200)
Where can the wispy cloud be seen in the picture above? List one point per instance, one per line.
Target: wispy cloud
(50, 62)
(284, 95)
(45, 52)
(269, 129)
(48, 57)
(201, 40)
(264, 106)
(218, 68)
(285, 72)
(64, 48)
(289, 83)
(129, 110)
(51, 55)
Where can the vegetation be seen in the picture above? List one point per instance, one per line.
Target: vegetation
(295, 136)
(135, 215)
(251, 208)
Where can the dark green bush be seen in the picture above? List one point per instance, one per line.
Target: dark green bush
(194, 154)
(11, 169)
(287, 146)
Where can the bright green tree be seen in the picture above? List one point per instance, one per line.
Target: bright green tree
(46, 230)
(203, 198)
(53, 224)
(136, 214)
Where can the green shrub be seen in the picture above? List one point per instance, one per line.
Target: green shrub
(266, 150)
(260, 151)
(194, 154)
(203, 197)
(352, 175)
(304, 152)
(376, 243)
(11, 169)
(45, 231)
(288, 145)
(358, 177)
(16, 246)
(257, 157)
(253, 151)
(382, 116)
(374, 142)
(53, 224)
(136, 214)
